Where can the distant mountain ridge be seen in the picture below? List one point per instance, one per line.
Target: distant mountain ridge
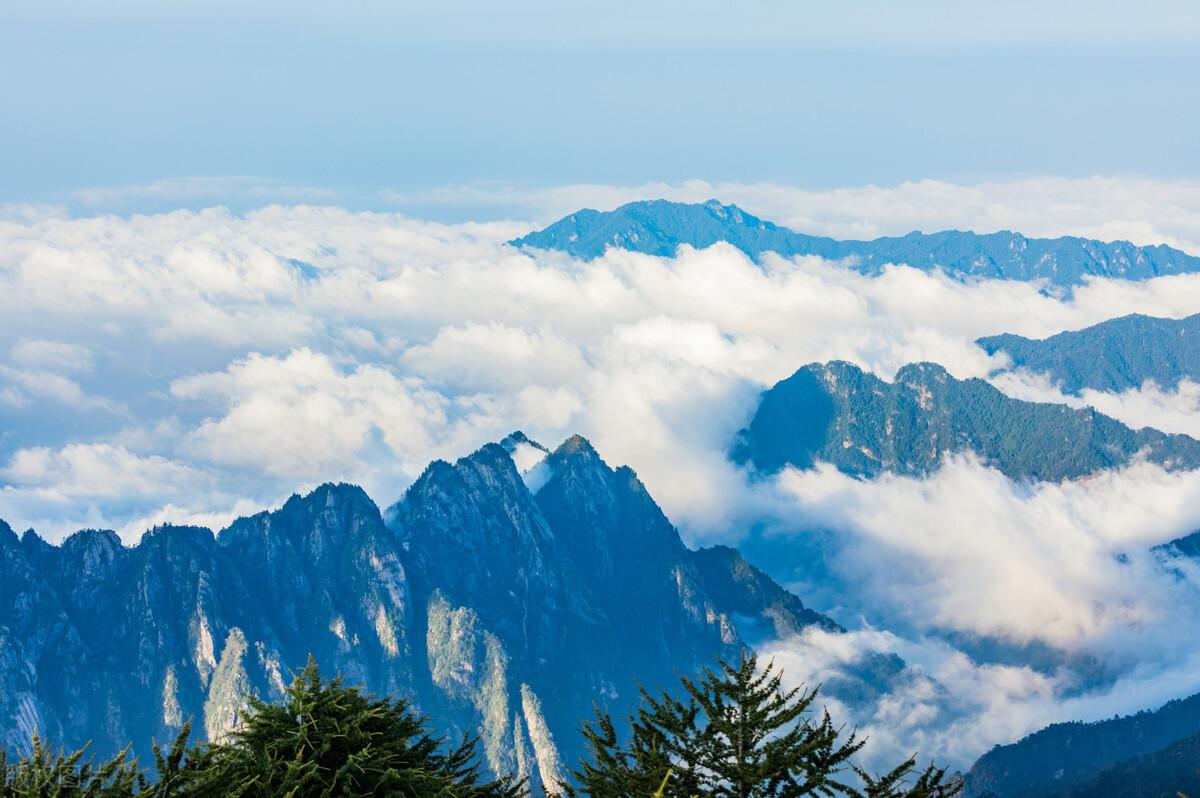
(837, 413)
(659, 227)
(1115, 355)
(1154, 750)
(504, 610)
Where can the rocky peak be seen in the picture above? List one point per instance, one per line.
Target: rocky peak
(92, 552)
(765, 610)
(515, 440)
(923, 372)
(168, 535)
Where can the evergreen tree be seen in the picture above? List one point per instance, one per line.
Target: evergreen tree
(327, 739)
(48, 773)
(736, 733)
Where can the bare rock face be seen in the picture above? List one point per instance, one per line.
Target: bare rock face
(506, 595)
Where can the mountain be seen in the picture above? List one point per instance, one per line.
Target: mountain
(659, 227)
(1107, 758)
(505, 600)
(839, 414)
(1115, 355)
(1169, 773)
(1186, 546)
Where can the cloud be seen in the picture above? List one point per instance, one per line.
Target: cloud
(302, 417)
(950, 707)
(1068, 565)
(496, 356)
(106, 485)
(20, 387)
(99, 471)
(52, 356)
(1015, 605)
(181, 191)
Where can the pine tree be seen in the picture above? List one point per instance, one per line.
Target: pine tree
(327, 739)
(736, 733)
(46, 773)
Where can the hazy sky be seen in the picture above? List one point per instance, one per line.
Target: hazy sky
(338, 102)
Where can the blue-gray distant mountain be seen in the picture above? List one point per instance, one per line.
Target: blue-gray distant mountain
(506, 604)
(837, 413)
(1186, 546)
(659, 227)
(1115, 355)
(1147, 755)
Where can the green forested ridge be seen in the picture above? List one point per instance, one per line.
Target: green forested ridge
(837, 413)
(1115, 355)
(1088, 760)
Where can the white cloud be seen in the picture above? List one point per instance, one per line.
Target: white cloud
(496, 357)
(99, 470)
(20, 387)
(950, 707)
(103, 485)
(971, 551)
(302, 417)
(214, 190)
(52, 356)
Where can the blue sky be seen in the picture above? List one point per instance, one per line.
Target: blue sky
(338, 102)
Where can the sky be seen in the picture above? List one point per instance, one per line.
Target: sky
(366, 104)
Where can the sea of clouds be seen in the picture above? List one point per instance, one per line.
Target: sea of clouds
(195, 366)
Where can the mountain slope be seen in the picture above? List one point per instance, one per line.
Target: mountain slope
(837, 413)
(1115, 355)
(1066, 757)
(658, 227)
(1168, 773)
(480, 598)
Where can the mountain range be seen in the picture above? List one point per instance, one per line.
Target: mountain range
(837, 413)
(504, 602)
(1115, 355)
(659, 227)
(1147, 755)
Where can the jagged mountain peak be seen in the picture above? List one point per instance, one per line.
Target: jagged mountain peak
(334, 503)
(166, 534)
(92, 540)
(576, 445)
(517, 438)
(503, 611)
(923, 370)
(29, 538)
(92, 553)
